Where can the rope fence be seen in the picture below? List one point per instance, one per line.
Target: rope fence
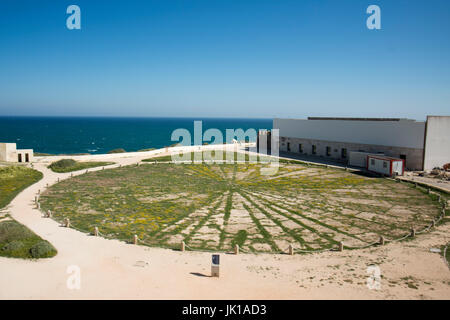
(290, 250)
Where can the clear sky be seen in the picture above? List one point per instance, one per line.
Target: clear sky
(228, 58)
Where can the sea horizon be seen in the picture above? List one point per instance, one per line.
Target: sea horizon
(101, 134)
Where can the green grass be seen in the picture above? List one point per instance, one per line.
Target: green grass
(209, 156)
(69, 165)
(13, 179)
(215, 206)
(17, 241)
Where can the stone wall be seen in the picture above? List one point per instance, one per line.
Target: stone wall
(414, 156)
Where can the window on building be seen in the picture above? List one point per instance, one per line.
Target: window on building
(20, 157)
(300, 148)
(288, 146)
(384, 164)
(372, 162)
(328, 151)
(314, 149)
(27, 157)
(343, 153)
(403, 156)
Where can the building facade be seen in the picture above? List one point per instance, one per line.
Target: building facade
(10, 153)
(422, 144)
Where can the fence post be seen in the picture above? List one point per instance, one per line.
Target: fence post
(183, 246)
(382, 241)
(341, 246)
(96, 231)
(39, 191)
(35, 199)
(58, 180)
(236, 249)
(433, 223)
(291, 250)
(49, 214)
(135, 239)
(67, 223)
(38, 206)
(413, 232)
(86, 171)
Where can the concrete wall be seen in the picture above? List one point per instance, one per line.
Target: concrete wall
(403, 133)
(8, 152)
(437, 142)
(414, 156)
(24, 154)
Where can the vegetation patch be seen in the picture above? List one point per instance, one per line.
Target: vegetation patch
(13, 179)
(214, 206)
(17, 241)
(69, 165)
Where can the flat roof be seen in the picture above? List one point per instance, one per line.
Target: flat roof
(355, 119)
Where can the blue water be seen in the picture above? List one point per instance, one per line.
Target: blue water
(57, 135)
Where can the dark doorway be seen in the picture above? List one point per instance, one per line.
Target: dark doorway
(314, 149)
(20, 157)
(300, 148)
(27, 157)
(289, 147)
(343, 153)
(403, 156)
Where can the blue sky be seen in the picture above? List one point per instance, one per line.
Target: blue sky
(210, 58)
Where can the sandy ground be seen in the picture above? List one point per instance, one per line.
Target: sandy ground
(115, 270)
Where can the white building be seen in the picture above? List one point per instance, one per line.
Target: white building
(10, 153)
(422, 144)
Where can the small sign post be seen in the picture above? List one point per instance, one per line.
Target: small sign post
(215, 265)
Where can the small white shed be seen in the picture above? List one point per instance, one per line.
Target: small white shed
(385, 165)
(359, 158)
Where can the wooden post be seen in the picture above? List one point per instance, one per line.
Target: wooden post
(96, 231)
(341, 246)
(46, 185)
(49, 214)
(413, 232)
(71, 175)
(382, 241)
(183, 246)
(236, 249)
(86, 171)
(135, 239)
(291, 250)
(35, 199)
(67, 223)
(103, 168)
(39, 191)
(38, 206)
(433, 223)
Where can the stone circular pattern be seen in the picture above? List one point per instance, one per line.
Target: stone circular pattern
(214, 207)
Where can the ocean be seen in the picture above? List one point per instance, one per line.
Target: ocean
(64, 135)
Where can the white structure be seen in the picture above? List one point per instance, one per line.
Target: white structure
(385, 165)
(437, 142)
(422, 144)
(359, 159)
(10, 153)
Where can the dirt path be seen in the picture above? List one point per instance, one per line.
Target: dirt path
(114, 270)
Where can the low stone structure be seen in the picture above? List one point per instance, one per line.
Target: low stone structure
(10, 153)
